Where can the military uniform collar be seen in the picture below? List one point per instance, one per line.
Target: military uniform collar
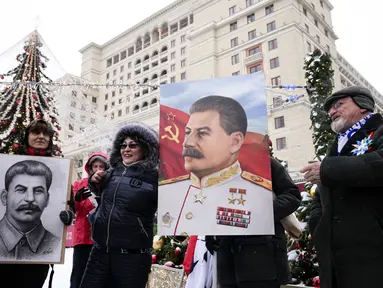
(11, 236)
(217, 178)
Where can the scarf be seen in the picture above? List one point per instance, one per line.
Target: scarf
(37, 152)
(344, 137)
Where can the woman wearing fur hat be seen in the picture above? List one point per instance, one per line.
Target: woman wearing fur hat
(122, 227)
(84, 204)
(37, 142)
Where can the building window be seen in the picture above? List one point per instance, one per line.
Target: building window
(273, 44)
(116, 58)
(92, 120)
(317, 39)
(326, 33)
(72, 115)
(123, 55)
(313, 6)
(321, 3)
(277, 101)
(173, 55)
(307, 28)
(173, 80)
(252, 34)
(173, 44)
(328, 48)
(129, 76)
(114, 72)
(127, 110)
(274, 63)
(73, 104)
(130, 65)
(172, 68)
(71, 127)
(255, 68)
(323, 17)
(183, 38)
(183, 63)
(269, 9)
(281, 143)
(232, 10)
(107, 76)
(254, 51)
(183, 76)
(276, 81)
(234, 59)
(94, 99)
(279, 122)
(316, 22)
(250, 3)
(105, 107)
(120, 101)
(106, 96)
(83, 118)
(271, 26)
(235, 73)
(109, 62)
(233, 26)
(119, 113)
(304, 11)
(234, 42)
(309, 49)
(122, 69)
(183, 51)
(113, 93)
(250, 18)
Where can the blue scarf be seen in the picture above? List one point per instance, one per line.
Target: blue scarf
(344, 137)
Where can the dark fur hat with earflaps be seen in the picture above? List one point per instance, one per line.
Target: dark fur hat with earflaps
(143, 135)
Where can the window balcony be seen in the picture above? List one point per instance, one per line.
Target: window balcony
(253, 58)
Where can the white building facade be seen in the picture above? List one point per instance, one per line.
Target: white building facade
(198, 39)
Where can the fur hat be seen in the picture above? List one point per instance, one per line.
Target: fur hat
(145, 136)
(361, 96)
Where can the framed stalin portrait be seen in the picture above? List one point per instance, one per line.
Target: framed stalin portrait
(33, 192)
(215, 174)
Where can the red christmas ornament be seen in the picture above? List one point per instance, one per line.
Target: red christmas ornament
(38, 116)
(177, 251)
(17, 101)
(2, 76)
(4, 122)
(316, 282)
(34, 96)
(59, 128)
(54, 120)
(154, 259)
(297, 246)
(15, 145)
(13, 130)
(57, 133)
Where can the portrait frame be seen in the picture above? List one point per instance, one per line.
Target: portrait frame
(230, 113)
(54, 239)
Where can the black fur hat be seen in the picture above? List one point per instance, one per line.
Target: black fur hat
(143, 135)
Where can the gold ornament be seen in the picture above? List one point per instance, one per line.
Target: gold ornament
(312, 190)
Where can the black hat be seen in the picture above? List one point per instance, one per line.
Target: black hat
(361, 96)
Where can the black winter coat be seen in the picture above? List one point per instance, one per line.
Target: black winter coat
(124, 218)
(268, 260)
(346, 219)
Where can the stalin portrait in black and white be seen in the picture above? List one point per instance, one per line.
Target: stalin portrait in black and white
(25, 197)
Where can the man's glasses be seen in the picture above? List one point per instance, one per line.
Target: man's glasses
(336, 105)
(130, 145)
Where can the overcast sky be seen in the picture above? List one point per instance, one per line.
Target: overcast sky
(72, 24)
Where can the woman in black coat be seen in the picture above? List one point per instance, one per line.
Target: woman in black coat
(122, 227)
(37, 142)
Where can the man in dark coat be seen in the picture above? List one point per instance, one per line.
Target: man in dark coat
(346, 219)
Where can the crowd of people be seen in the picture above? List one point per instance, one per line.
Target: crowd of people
(115, 208)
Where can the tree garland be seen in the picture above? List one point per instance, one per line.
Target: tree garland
(319, 77)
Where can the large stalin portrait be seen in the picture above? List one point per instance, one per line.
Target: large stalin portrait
(217, 197)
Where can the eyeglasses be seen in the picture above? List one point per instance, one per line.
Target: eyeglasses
(336, 104)
(130, 145)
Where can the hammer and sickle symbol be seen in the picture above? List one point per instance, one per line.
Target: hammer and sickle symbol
(173, 135)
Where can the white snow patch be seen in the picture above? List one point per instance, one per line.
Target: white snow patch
(61, 277)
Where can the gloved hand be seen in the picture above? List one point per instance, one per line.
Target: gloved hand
(66, 217)
(212, 243)
(82, 194)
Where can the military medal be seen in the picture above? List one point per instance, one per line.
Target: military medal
(241, 200)
(189, 215)
(233, 217)
(199, 198)
(167, 220)
(232, 199)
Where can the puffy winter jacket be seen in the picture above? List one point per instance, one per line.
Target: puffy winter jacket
(124, 218)
(82, 228)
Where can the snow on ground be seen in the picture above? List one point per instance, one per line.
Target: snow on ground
(61, 277)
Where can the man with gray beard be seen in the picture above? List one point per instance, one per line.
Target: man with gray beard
(346, 220)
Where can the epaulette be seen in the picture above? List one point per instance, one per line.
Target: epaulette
(174, 180)
(257, 180)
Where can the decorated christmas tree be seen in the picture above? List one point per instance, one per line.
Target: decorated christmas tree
(169, 250)
(27, 98)
(319, 77)
(302, 255)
